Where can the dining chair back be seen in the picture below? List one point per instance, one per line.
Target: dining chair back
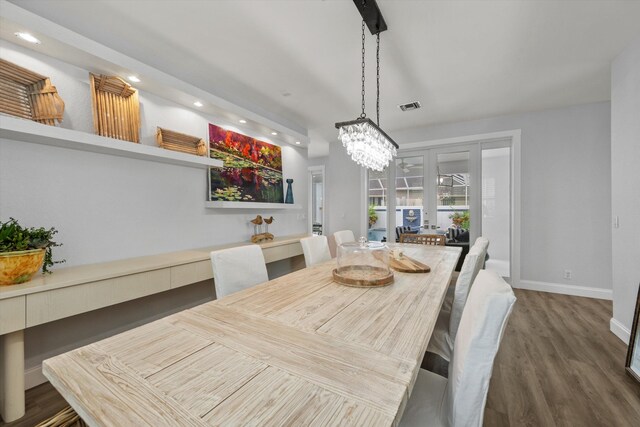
(482, 326)
(424, 239)
(483, 244)
(444, 332)
(236, 269)
(459, 401)
(343, 236)
(315, 250)
(471, 266)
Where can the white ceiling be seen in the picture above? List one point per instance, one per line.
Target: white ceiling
(298, 61)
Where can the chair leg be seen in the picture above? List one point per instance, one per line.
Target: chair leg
(435, 363)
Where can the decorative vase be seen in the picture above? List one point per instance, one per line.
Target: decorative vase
(19, 266)
(289, 198)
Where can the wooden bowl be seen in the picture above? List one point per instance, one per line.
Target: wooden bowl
(19, 266)
(362, 276)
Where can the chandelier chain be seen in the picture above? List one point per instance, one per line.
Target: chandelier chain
(363, 114)
(378, 78)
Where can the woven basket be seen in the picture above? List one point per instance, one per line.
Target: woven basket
(29, 95)
(184, 143)
(116, 109)
(65, 418)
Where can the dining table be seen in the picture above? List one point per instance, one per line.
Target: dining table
(300, 349)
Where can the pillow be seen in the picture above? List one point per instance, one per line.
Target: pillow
(463, 237)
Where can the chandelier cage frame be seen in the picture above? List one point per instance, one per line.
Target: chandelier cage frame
(366, 143)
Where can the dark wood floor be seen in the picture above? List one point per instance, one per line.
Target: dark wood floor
(559, 365)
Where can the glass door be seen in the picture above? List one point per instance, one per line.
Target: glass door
(496, 206)
(409, 195)
(454, 192)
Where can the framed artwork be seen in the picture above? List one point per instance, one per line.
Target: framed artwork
(252, 170)
(633, 353)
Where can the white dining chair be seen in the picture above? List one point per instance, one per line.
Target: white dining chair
(483, 244)
(343, 236)
(236, 269)
(315, 250)
(460, 400)
(444, 332)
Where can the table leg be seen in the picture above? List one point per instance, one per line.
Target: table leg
(12, 373)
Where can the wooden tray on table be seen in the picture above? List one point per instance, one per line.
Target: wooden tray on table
(407, 265)
(363, 276)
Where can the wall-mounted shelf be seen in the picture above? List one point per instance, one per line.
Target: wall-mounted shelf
(78, 50)
(249, 205)
(28, 131)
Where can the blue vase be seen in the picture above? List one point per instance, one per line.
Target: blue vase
(289, 198)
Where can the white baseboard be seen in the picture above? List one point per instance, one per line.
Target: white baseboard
(34, 377)
(557, 288)
(620, 330)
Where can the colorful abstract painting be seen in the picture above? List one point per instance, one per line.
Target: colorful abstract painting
(252, 170)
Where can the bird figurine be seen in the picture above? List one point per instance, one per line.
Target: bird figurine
(257, 223)
(268, 221)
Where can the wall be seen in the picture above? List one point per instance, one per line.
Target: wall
(565, 193)
(625, 185)
(495, 214)
(108, 207)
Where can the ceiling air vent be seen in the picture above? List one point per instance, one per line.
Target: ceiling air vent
(410, 106)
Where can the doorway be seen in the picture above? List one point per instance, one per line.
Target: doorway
(316, 200)
(464, 188)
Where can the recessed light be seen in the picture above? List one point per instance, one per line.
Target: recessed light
(274, 133)
(243, 121)
(134, 79)
(198, 104)
(297, 142)
(27, 37)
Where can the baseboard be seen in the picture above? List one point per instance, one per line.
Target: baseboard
(557, 288)
(34, 377)
(620, 330)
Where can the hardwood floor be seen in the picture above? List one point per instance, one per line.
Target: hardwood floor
(559, 365)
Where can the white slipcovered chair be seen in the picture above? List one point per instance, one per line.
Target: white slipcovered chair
(343, 236)
(444, 332)
(315, 249)
(483, 244)
(460, 400)
(236, 269)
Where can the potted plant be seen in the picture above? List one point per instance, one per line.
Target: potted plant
(23, 251)
(461, 220)
(373, 216)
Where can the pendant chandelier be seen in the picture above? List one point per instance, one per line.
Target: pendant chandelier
(366, 143)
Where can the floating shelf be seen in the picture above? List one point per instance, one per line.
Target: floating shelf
(249, 205)
(28, 131)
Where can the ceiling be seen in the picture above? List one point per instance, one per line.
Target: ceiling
(298, 62)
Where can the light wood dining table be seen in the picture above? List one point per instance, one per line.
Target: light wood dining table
(297, 350)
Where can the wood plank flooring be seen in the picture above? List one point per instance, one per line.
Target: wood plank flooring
(559, 365)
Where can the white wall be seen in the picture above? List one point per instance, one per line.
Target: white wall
(565, 191)
(495, 211)
(108, 207)
(342, 192)
(625, 184)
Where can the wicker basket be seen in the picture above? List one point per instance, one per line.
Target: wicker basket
(177, 141)
(116, 109)
(29, 95)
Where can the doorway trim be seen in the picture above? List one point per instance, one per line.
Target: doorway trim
(314, 170)
(515, 136)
